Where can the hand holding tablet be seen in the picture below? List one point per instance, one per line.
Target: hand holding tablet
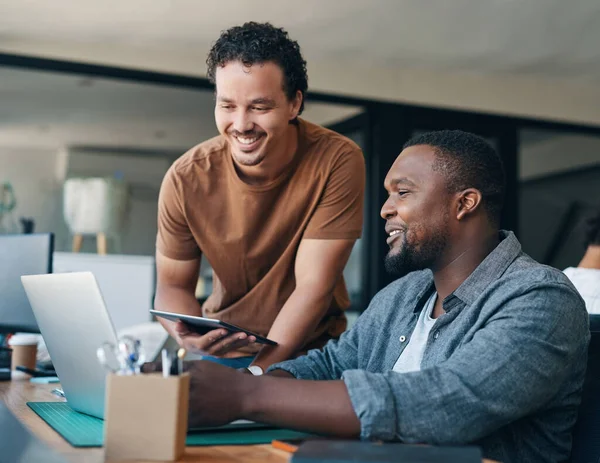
(202, 325)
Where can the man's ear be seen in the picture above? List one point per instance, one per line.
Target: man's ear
(296, 105)
(469, 201)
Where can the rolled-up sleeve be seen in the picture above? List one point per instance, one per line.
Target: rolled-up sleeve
(372, 397)
(511, 367)
(327, 364)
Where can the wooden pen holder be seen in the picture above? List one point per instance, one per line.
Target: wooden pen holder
(146, 417)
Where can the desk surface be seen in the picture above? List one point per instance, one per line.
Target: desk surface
(17, 392)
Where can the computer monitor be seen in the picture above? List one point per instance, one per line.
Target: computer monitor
(21, 255)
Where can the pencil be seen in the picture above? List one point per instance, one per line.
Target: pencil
(285, 446)
(180, 354)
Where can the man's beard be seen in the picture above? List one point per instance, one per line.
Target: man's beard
(411, 257)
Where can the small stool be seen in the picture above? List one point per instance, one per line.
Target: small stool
(100, 243)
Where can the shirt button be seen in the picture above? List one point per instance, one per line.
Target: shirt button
(402, 338)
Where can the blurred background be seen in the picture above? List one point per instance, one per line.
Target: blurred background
(117, 91)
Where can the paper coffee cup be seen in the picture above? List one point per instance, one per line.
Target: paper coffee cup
(24, 350)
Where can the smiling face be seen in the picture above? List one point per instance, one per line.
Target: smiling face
(253, 112)
(417, 212)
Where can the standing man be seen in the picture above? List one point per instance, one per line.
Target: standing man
(474, 343)
(274, 203)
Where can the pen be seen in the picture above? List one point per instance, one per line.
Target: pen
(38, 373)
(174, 363)
(166, 363)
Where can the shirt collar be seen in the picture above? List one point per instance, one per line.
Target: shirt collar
(490, 269)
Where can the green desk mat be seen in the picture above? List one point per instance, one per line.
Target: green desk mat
(82, 430)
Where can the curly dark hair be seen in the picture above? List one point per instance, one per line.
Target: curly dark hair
(592, 230)
(468, 161)
(254, 43)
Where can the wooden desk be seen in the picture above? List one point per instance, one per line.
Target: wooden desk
(17, 393)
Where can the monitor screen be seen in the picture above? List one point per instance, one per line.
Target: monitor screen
(21, 255)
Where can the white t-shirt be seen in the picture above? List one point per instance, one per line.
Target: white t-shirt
(411, 356)
(587, 282)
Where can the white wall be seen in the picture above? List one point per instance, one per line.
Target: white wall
(36, 176)
(553, 99)
(144, 175)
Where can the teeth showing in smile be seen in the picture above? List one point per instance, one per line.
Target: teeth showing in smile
(246, 141)
(394, 232)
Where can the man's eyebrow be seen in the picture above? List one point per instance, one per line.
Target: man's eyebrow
(402, 180)
(264, 101)
(261, 101)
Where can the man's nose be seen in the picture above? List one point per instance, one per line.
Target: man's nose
(243, 122)
(388, 210)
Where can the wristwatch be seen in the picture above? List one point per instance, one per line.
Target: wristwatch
(255, 370)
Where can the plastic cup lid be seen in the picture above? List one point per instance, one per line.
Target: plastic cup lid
(23, 340)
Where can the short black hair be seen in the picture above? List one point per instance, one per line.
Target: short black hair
(592, 230)
(254, 43)
(467, 161)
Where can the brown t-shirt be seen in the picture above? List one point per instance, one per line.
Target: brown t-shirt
(250, 233)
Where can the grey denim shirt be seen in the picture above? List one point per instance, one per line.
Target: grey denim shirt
(503, 368)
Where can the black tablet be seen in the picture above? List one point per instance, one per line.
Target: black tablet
(203, 325)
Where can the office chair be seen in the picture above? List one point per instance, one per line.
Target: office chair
(586, 434)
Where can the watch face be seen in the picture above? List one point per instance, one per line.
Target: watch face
(255, 370)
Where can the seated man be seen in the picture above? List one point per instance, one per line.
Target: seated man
(586, 276)
(475, 343)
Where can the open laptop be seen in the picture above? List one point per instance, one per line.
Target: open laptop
(74, 323)
(72, 317)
